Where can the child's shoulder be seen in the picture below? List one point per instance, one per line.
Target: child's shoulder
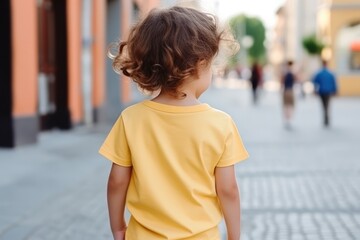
(131, 111)
(134, 108)
(219, 115)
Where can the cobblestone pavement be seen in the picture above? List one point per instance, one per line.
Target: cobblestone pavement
(302, 184)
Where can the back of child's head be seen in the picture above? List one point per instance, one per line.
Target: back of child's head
(166, 47)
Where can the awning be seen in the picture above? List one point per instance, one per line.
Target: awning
(355, 46)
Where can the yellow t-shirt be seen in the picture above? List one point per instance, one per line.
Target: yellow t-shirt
(174, 151)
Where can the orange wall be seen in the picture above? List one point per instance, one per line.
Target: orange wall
(125, 13)
(25, 57)
(99, 53)
(74, 59)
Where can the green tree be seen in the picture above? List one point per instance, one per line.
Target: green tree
(241, 26)
(312, 45)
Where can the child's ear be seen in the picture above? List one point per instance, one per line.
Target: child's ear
(203, 63)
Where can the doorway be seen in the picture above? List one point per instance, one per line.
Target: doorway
(6, 125)
(53, 71)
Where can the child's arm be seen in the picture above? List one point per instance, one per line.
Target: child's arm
(228, 194)
(118, 183)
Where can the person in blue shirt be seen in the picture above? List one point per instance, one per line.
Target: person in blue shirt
(325, 86)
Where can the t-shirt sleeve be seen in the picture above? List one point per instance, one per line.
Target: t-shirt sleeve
(115, 147)
(234, 149)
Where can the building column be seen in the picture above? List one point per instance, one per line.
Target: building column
(99, 59)
(74, 45)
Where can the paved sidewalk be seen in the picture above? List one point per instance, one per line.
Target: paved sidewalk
(301, 184)
(297, 185)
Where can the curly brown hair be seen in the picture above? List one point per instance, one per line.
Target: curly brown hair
(165, 48)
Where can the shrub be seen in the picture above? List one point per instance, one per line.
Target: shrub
(312, 45)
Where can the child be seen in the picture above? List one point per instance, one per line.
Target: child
(173, 157)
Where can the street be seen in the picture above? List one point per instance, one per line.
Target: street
(298, 184)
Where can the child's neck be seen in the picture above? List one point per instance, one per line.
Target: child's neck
(170, 99)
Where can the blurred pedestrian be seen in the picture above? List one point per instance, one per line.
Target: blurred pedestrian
(255, 80)
(288, 82)
(173, 156)
(325, 86)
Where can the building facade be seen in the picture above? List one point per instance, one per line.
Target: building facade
(339, 28)
(277, 44)
(53, 67)
(295, 19)
(336, 23)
